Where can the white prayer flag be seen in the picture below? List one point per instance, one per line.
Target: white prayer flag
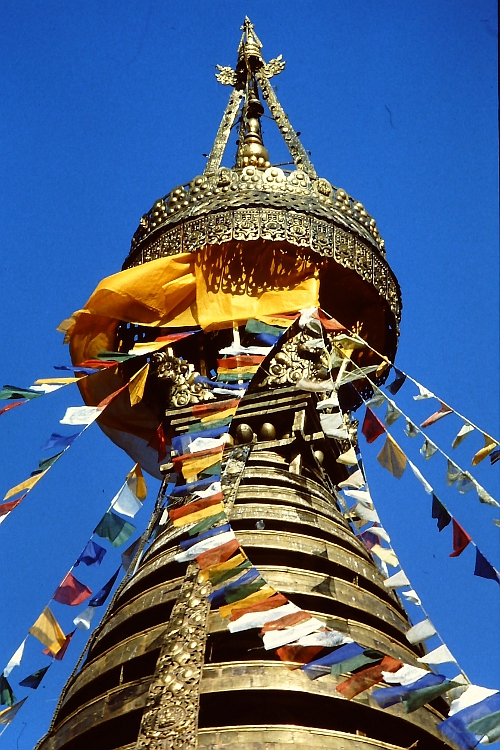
(428, 449)
(277, 638)
(422, 393)
(398, 580)
(325, 638)
(421, 631)
(465, 430)
(485, 497)
(204, 546)
(405, 675)
(83, 620)
(376, 401)
(15, 660)
(361, 372)
(420, 478)
(212, 489)
(367, 514)
(356, 480)
(331, 401)
(411, 430)
(412, 597)
(125, 502)
(259, 619)
(440, 655)
(47, 387)
(381, 532)
(348, 458)
(386, 555)
(236, 349)
(307, 315)
(81, 415)
(203, 444)
(392, 414)
(362, 496)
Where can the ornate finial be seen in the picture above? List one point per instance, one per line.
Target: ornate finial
(249, 60)
(250, 44)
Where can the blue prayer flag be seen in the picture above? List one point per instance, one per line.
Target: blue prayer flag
(93, 554)
(322, 666)
(33, 680)
(206, 535)
(397, 382)
(440, 513)
(484, 569)
(56, 441)
(103, 594)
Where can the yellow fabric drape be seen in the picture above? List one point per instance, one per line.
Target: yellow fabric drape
(225, 567)
(392, 458)
(28, 484)
(258, 596)
(48, 631)
(137, 483)
(212, 510)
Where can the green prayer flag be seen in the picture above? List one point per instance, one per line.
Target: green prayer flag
(355, 662)
(257, 326)
(198, 426)
(231, 573)
(114, 356)
(212, 470)
(488, 726)
(206, 523)
(231, 377)
(243, 591)
(114, 528)
(10, 391)
(419, 698)
(47, 463)
(7, 697)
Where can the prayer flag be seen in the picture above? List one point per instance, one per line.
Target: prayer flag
(92, 554)
(137, 483)
(298, 654)
(423, 393)
(390, 696)
(412, 597)
(242, 564)
(199, 515)
(158, 443)
(368, 539)
(212, 407)
(217, 573)
(277, 638)
(258, 596)
(114, 528)
(472, 695)
(421, 631)
(465, 430)
(419, 698)
(243, 361)
(28, 485)
(207, 544)
(494, 456)
(71, 591)
(236, 592)
(427, 487)
(60, 441)
(46, 464)
(34, 680)
(182, 443)
(460, 539)
(453, 472)
(356, 662)
(372, 426)
(406, 675)
(392, 458)
(325, 638)
(348, 458)
(137, 384)
(195, 506)
(286, 621)
(101, 596)
(83, 620)
(440, 513)
(392, 414)
(489, 445)
(11, 406)
(257, 326)
(260, 619)
(270, 603)
(398, 580)
(15, 660)
(411, 430)
(207, 523)
(322, 666)
(379, 531)
(428, 449)
(485, 497)
(440, 655)
(130, 553)
(355, 480)
(488, 726)
(365, 679)
(397, 383)
(8, 714)
(81, 415)
(7, 697)
(330, 324)
(366, 514)
(386, 555)
(349, 398)
(12, 391)
(456, 725)
(484, 569)
(187, 543)
(218, 555)
(125, 502)
(213, 488)
(6, 508)
(442, 412)
(362, 496)
(48, 631)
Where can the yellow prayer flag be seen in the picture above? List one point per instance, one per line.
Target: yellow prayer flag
(28, 485)
(489, 445)
(243, 370)
(219, 415)
(193, 466)
(199, 515)
(56, 381)
(48, 631)
(217, 570)
(136, 482)
(137, 384)
(147, 347)
(392, 458)
(258, 596)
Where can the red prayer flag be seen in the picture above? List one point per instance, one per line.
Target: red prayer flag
(217, 555)
(365, 679)
(12, 406)
(277, 600)
(112, 396)
(71, 591)
(330, 324)
(175, 336)
(158, 443)
(286, 622)
(212, 407)
(298, 654)
(62, 650)
(443, 411)
(6, 508)
(97, 363)
(241, 360)
(460, 539)
(186, 510)
(372, 426)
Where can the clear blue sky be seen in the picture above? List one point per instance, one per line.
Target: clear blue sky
(108, 106)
